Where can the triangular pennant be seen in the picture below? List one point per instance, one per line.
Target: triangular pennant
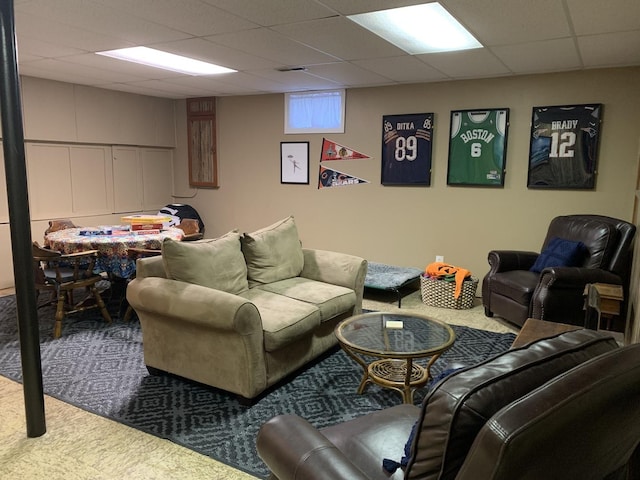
(335, 151)
(328, 178)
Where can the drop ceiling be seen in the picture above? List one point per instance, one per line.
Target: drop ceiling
(260, 38)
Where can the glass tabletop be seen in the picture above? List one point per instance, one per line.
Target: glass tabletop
(395, 334)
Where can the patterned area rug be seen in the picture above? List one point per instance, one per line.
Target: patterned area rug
(100, 368)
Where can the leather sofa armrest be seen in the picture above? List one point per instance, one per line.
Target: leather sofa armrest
(295, 450)
(507, 260)
(576, 277)
(559, 296)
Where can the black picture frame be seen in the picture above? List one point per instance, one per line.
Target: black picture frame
(478, 147)
(294, 162)
(563, 147)
(406, 149)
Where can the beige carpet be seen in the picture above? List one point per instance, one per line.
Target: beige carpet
(412, 302)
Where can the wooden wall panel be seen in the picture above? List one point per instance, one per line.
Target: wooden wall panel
(127, 179)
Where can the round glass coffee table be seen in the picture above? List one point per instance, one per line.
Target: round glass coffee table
(392, 341)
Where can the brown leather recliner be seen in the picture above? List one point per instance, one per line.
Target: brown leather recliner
(511, 291)
(563, 407)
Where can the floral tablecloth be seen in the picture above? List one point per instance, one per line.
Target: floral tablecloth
(113, 255)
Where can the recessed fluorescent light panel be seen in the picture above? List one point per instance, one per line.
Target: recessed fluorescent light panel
(166, 61)
(427, 28)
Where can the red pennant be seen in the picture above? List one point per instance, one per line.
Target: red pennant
(335, 151)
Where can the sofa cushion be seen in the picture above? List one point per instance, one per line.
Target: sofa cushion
(331, 300)
(273, 253)
(284, 319)
(456, 409)
(217, 263)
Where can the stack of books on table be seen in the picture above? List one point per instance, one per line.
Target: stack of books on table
(145, 228)
(146, 224)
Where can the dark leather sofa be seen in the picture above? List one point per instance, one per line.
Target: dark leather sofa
(511, 291)
(559, 408)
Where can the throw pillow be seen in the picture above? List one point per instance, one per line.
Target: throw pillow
(217, 263)
(273, 253)
(560, 252)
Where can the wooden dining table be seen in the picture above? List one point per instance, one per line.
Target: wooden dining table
(113, 255)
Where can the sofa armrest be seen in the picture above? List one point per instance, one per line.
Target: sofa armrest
(195, 304)
(507, 260)
(150, 267)
(576, 277)
(295, 450)
(559, 295)
(337, 269)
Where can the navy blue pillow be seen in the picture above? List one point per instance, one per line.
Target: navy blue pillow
(560, 253)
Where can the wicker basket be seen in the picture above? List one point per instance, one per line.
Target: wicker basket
(439, 293)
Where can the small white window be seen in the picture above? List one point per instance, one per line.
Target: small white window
(314, 112)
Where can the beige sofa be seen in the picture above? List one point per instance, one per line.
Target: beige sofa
(241, 312)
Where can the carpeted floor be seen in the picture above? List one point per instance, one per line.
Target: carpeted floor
(100, 368)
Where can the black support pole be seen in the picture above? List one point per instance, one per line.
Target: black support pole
(20, 222)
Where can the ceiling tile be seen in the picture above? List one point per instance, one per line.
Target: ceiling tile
(611, 49)
(297, 80)
(545, 56)
(401, 69)
(341, 38)
(348, 75)
(232, 82)
(478, 62)
(205, 50)
(39, 48)
(96, 75)
(34, 69)
(117, 70)
(193, 17)
(504, 22)
(101, 19)
(148, 90)
(56, 40)
(593, 16)
(274, 12)
(44, 30)
(172, 88)
(351, 7)
(271, 45)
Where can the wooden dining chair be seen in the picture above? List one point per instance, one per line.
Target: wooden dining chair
(191, 229)
(134, 254)
(61, 274)
(59, 224)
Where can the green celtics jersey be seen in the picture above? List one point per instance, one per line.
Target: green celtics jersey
(476, 150)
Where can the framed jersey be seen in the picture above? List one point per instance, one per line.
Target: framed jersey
(406, 149)
(477, 147)
(563, 149)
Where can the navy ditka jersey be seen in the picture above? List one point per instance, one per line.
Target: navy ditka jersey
(406, 149)
(476, 152)
(563, 150)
